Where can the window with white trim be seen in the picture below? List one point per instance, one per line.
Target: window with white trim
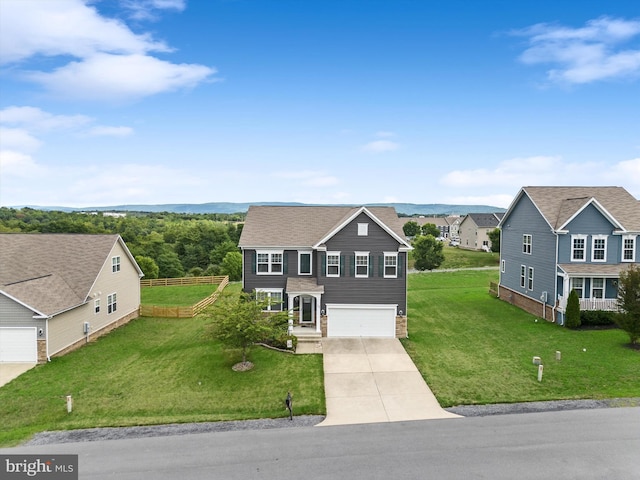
(503, 265)
(96, 306)
(577, 284)
(269, 263)
(629, 248)
(599, 248)
(363, 229)
(115, 264)
(362, 264)
(526, 244)
(272, 297)
(112, 303)
(304, 263)
(333, 264)
(597, 288)
(578, 246)
(390, 265)
(523, 275)
(530, 279)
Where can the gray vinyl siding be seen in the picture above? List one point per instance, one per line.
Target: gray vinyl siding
(590, 222)
(525, 218)
(13, 314)
(374, 289)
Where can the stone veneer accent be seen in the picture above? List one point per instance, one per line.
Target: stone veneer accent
(534, 307)
(42, 351)
(401, 326)
(94, 335)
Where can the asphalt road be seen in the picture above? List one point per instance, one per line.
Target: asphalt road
(578, 444)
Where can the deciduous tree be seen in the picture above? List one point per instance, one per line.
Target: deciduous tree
(427, 252)
(628, 319)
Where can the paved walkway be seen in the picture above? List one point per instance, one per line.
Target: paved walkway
(371, 380)
(9, 371)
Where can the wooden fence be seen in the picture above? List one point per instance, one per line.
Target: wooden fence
(185, 312)
(165, 282)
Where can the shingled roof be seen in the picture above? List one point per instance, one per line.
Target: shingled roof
(486, 220)
(51, 273)
(305, 226)
(559, 204)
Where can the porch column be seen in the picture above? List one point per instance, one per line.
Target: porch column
(290, 299)
(318, 297)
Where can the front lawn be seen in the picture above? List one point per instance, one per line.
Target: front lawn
(156, 371)
(474, 349)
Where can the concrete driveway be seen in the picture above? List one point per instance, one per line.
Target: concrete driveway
(371, 380)
(9, 371)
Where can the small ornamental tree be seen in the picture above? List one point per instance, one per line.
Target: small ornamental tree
(573, 310)
(427, 252)
(628, 318)
(239, 322)
(430, 229)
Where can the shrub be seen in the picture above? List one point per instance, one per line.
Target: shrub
(597, 318)
(573, 310)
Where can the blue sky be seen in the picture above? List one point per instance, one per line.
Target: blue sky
(173, 101)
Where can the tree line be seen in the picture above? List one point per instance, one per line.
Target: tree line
(165, 245)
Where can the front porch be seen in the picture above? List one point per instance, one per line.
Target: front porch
(606, 304)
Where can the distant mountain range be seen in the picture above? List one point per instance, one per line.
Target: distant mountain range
(228, 207)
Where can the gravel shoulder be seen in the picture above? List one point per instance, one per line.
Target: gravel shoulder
(116, 433)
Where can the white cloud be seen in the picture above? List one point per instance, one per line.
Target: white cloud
(18, 164)
(110, 131)
(146, 9)
(380, 146)
(110, 61)
(587, 54)
(18, 139)
(36, 119)
(511, 175)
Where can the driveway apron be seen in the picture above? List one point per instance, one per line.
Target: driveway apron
(9, 371)
(371, 380)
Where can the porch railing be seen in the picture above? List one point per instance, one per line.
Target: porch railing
(607, 304)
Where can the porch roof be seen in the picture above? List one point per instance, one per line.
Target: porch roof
(594, 269)
(303, 285)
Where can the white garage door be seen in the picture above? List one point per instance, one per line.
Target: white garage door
(344, 320)
(18, 345)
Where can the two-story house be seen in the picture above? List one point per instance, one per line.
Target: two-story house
(340, 271)
(558, 239)
(474, 230)
(58, 291)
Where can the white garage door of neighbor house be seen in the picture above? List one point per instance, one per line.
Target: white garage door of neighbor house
(18, 345)
(345, 320)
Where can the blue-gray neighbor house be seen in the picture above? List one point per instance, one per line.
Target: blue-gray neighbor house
(340, 271)
(558, 239)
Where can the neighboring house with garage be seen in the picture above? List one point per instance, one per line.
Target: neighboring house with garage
(474, 230)
(341, 271)
(558, 239)
(58, 291)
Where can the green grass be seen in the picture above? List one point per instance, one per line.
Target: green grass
(474, 349)
(155, 371)
(455, 258)
(175, 296)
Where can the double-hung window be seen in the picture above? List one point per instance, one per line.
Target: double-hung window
(112, 303)
(304, 263)
(115, 264)
(96, 305)
(362, 264)
(599, 248)
(272, 297)
(577, 284)
(597, 288)
(523, 275)
(390, 264)
(578, 247)
(629, 248)
(333, 264)
(526, 244)
(269, 263)
(530, 279)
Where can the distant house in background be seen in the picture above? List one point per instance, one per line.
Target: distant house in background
(558, 239)
(57, 291)
(339, 271)
(454, 225)
(474, 230)
(440, 222)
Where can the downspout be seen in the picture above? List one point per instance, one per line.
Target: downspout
(47, 338)
(555, 282)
